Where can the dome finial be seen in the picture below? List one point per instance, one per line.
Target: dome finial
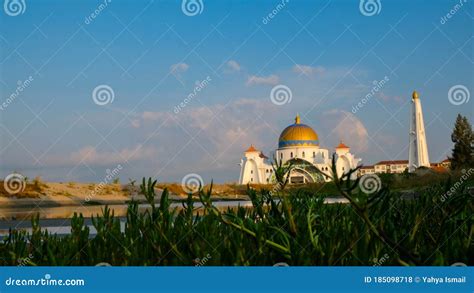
(297, 119)
(415, 95)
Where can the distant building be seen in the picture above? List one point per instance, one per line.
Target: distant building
(366, 170)
(445, 163)
(442, 166)
(397, 166)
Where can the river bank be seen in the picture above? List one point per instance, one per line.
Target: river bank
(39, 194)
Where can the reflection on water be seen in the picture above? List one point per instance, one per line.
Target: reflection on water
(56, 219)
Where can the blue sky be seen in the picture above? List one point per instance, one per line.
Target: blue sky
(152, 55)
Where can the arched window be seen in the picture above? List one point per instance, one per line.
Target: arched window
(291, 154)
(251, 179)
(251, 171)
(323, 155)
(314, 154)
(303, 154)
(281, 156)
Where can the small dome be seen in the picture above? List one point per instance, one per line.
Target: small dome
(415, 95)
(342, 146)
(251, 149)
(299, 135)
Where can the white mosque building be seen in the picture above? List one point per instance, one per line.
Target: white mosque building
(298, 144)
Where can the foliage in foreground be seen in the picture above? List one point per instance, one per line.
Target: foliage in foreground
(435, 227)
(463, 139)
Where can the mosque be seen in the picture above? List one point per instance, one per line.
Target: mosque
(298, 144)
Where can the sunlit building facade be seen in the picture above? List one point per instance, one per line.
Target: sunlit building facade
(299, 145)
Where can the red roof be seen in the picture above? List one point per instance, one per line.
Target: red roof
(395, 162)
(446, 160)
(367, 167)
(251, 149)
(342, 146)
(439, 169)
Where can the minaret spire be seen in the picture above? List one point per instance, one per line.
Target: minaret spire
(297, 119)
(418, 148)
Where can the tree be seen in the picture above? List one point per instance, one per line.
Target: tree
(463, 139)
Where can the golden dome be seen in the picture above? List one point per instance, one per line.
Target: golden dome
(415, 95)
(298, 135)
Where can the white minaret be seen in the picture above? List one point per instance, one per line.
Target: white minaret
(418, 151)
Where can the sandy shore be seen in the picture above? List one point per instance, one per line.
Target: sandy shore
(55, 194)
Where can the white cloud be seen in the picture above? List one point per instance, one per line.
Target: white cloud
(154, 116)
(179, 68)
(233, 66)
(91, 156)
(258, 80)
(135, 123)
(343, 125)
(308, 70)
(224, 130)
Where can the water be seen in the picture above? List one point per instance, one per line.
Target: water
(57, 219)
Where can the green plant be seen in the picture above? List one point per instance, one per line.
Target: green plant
(289, 225)
(463, 139)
